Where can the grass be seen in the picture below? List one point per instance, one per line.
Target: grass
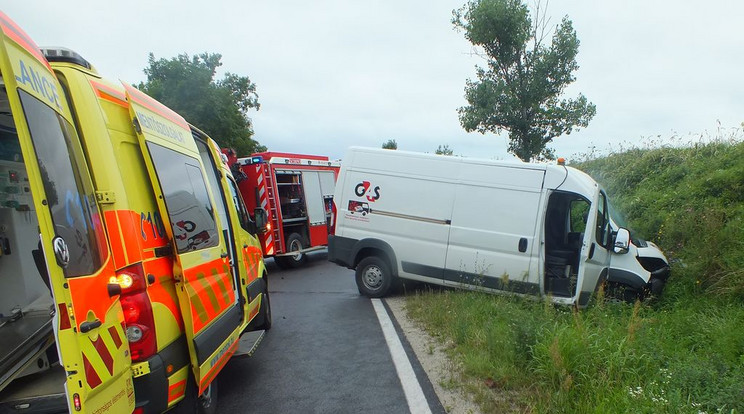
(522, 355)
(683, 353)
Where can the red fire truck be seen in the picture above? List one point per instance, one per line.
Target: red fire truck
(296, 190)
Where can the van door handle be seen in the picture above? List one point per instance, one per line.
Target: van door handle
(591, 251)
(223, 255)
(89, 326)
(523, 245)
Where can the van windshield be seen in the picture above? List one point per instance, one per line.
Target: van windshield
(617, 218)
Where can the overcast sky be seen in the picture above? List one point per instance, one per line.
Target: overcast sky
(331, 74)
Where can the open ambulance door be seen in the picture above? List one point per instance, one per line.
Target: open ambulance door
(204, 283)
(88, 321)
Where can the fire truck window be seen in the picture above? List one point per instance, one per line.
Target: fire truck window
(189, 209)
(69, 192)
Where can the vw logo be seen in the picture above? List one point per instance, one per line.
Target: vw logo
(61, 251)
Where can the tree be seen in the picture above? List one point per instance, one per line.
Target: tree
(390, 144)
(219, 108)
(444, 150)
(519, 90)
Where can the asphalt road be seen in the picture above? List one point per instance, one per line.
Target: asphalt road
(325, 353)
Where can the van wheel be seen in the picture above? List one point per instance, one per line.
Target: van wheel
(373, 277)
(203, 404)
(207, 402)
(295, 243)
(266, 308)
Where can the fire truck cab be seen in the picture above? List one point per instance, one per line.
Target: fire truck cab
(296, 191)
(123, 240)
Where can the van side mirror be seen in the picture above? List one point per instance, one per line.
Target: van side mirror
(261, 219)
(622, 241)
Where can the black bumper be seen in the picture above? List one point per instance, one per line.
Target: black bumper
(661, 273)
(341, 250)
(151, 390)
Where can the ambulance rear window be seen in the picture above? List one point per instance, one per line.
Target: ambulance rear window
(69, 192)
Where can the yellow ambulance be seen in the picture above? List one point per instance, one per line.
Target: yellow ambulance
(123, 239)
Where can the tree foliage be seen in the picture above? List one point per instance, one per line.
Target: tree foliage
(444, 150)
(218, 107)
(390, 144)
(520, 89)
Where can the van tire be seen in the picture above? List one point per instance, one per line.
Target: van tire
(202, 404)
(265, 308)
(294, 242)
(373, 277)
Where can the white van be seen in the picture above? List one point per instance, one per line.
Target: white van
(499, 226)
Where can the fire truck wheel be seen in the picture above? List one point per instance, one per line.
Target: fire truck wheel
(203, 404)
(295, 242)
(373, 277)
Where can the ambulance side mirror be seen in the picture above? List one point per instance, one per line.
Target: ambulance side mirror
(622, 241)
(261, 219)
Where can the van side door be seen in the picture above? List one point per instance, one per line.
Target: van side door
(492, 241)
(204, 279)
(88, 321)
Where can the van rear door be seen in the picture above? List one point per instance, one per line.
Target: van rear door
(204, 281)
(89, 322)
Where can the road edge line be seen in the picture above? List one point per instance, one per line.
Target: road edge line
(415, 397)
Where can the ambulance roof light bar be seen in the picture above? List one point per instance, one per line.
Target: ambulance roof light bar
(63, 54)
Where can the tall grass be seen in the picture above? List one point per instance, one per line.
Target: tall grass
(683, 353)
(690, 201)
(526, 356)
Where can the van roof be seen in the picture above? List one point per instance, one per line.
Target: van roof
(556, 176)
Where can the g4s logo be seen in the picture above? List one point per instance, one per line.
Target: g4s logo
(373, 194)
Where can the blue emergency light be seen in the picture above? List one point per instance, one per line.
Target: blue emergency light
(252, 160)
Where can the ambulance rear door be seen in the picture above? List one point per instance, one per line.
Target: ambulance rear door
(88, 321)
(204, 280)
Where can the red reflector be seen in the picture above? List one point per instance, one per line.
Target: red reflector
(138, 410)
(334, 214)
(76, 402)
(64, 317)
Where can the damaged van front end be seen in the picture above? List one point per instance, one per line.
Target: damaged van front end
(638, 269)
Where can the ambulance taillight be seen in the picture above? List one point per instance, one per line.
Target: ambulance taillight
(138, 316)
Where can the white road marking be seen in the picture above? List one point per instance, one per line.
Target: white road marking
(411, 388)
